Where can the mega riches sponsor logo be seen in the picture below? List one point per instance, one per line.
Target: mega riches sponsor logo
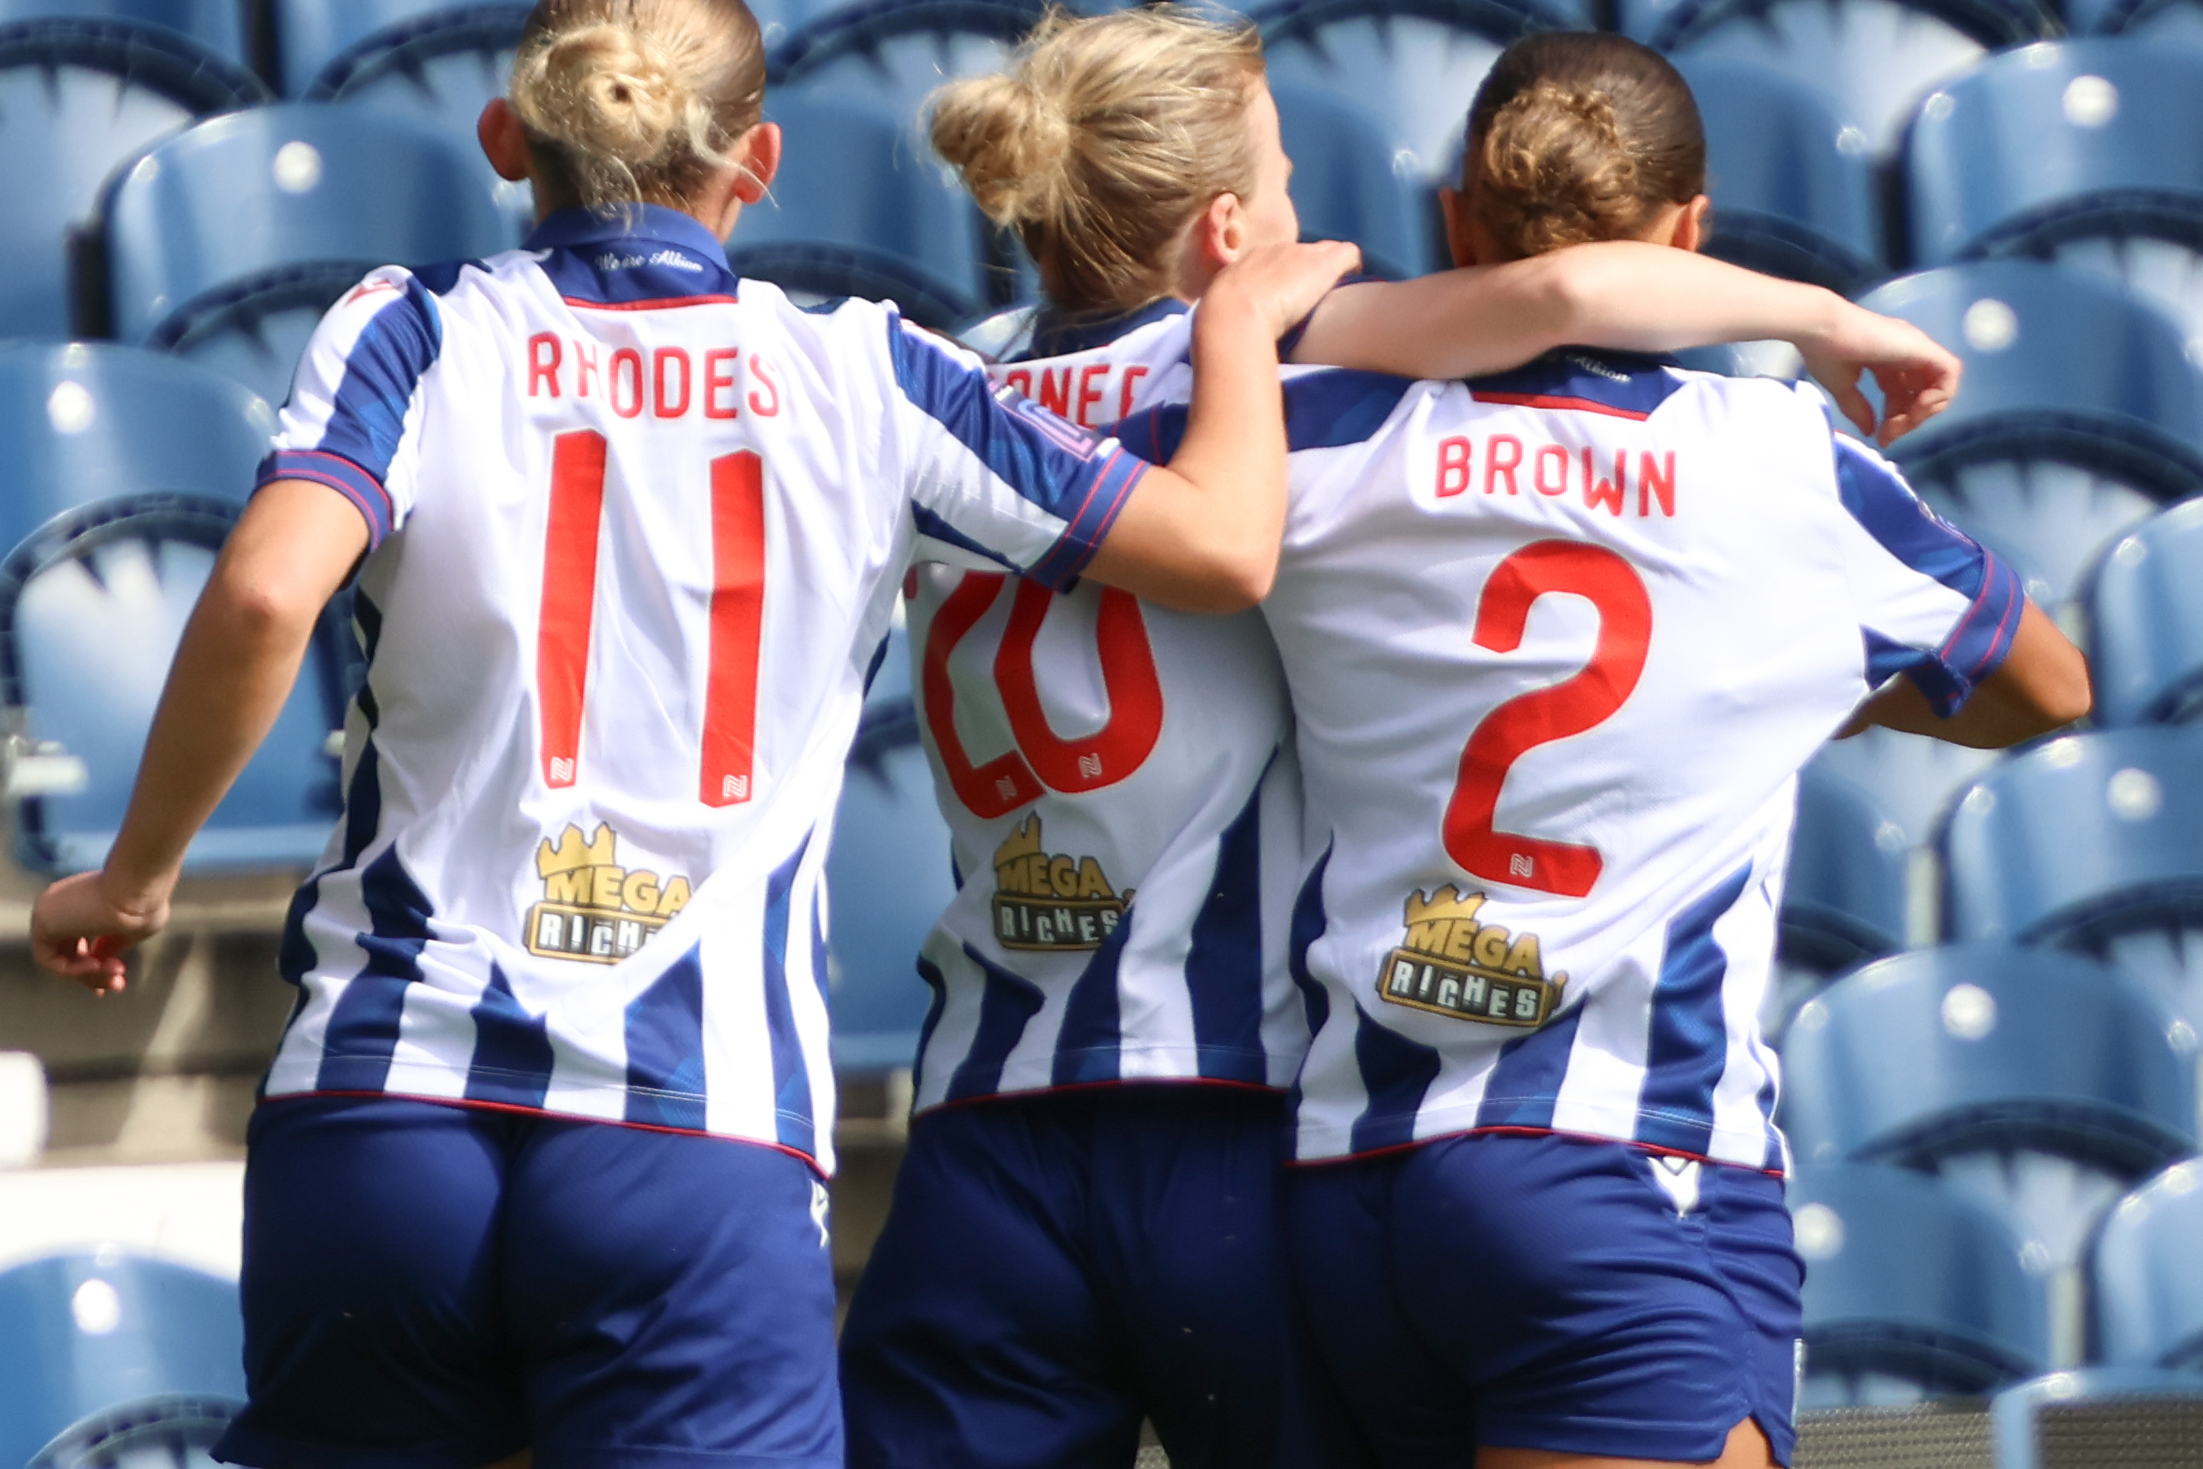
(1449, 964)
(593, 908)
(1051, 901)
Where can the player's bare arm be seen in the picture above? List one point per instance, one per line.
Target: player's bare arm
(240, 653)
(1635, 296)
(2042, 685)
(1202, 535)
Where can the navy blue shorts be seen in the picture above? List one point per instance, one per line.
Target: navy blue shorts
(1056, 1267)
(1545, 1292)
(436, 1287)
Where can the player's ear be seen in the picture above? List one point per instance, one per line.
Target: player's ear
(756, 157)
(1220, 234)
(504, 141)
(1690, 225)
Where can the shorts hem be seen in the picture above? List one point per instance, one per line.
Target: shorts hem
(1615, 1438)
(1509, 1130)
(253, 1450)
(584, 1457)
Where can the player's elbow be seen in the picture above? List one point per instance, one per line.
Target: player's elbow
(255, 608)
(2064, 691)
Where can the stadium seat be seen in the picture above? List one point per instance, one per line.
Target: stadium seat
(80, 94)
(225, 243)
(1412, 65)
(323, 40)
(88, 627)
(1843, 901)
(889, 878)
(861, 208)
(435, 65)
(173, 1431)
(2073, 840)
(1911, 1290)
(92, 429)
(894, 53)
(1873, 60)
(2088, 153)
(1344, 186)
(214, 26)
(2145, 622)
(1911, 778)
(2082, 413)
(1793, 188)
(2145, 1275)
(2154, 22)
(2044, 1083)
(2131, 1417)
(95, 1334)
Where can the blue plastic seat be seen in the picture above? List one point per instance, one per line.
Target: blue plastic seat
(1345, 188)
(1792, 183)
(213, 26)
(89, 1334)
(79, 96)
(1413, 66)
(894, 53)
(2081, 414)
(1911, 1290)
(2152, 22)
(889, 878)
(2044, 1083)
(861, 204)
(2088, 153)
(438, 65)
(2145, 619)
(2125, 1416)
(92, 429)
(1843, 901)
(173, 1430)
(2070, 841)
(257, 209)
(1873, 60)
(2145, 1275)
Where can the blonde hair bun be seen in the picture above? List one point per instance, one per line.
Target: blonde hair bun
(1009, 141)
(637, 99)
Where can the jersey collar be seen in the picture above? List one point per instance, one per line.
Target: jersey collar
(575, 229)
(1054, 337)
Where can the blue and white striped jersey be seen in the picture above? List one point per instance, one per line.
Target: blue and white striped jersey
(1089, 748)
(1558, 644)
(638, 530)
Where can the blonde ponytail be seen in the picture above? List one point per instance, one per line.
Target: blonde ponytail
(636, 100)
(1105, 138)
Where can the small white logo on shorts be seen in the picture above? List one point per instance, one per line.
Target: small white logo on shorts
(819, 1202)
(1678, 1179)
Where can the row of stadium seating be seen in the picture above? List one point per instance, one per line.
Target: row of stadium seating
(1819, 112)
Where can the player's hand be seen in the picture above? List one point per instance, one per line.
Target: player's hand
(1918, 378)
(1281, 284)
(81, 927)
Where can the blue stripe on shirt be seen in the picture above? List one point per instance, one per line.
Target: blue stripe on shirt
(1688, 1048)
(792, 1117)
(1090, 1041)
(1525, 1082)
(1049, 462)
(665, 1048)
(512, 1049)
(1006, 1005)
(363, 1026)
(399, 344)
(1323, 410)
(1224, 957)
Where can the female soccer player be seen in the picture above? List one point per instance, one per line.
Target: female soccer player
(1558, 642)
(536, 1168)
(1083, 1231)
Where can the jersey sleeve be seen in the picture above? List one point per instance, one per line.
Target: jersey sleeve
(1933, 603)
(345, 423)
(994, 474)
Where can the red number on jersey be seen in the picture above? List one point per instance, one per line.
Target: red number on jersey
(1102, 758)
(569, 607)
(1541, 716)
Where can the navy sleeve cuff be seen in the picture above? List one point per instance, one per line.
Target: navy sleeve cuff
(340, 474)
(1112, 484)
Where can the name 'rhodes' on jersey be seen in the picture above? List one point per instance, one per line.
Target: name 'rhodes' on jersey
(1558, 644)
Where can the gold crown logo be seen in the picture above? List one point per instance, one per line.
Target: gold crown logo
(572, 853)
(1023, 842)
(1446, 903)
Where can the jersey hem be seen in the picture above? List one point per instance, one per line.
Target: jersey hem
(1021, 1094)
(1364, 1154)
(476, 1104)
